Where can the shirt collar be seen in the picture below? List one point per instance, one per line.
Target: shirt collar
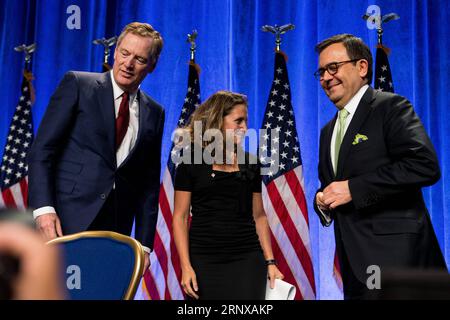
(354, 102)
(117, 91)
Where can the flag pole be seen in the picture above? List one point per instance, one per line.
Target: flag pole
(378, 21)
(28, 51)
(107, 44)
(382, 73)
(278, 31)
(191, 37)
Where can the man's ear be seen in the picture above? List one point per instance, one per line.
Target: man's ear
(363, 68)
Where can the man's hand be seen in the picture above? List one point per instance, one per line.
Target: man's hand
(146, 262)
(336, 194)
(320, 203)
(49, 226)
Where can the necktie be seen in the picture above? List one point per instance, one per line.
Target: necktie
(343, 114)
(122, 120)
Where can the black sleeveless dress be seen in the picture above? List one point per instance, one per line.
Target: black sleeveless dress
(223, 244)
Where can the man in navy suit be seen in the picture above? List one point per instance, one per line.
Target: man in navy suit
(374, 158)
(95, 163)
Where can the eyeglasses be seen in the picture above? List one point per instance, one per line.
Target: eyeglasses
(332, 68)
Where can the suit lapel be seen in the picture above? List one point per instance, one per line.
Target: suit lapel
(105, 99)
(362, 111)
(328, 136)
(144, 113)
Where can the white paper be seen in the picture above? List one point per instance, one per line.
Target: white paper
(281, 291)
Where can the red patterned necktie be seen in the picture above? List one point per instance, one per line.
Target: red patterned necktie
(123, 118)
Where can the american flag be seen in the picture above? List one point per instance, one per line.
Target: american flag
(283, 188)
(162, 282)
(383, 76)
(14, 167)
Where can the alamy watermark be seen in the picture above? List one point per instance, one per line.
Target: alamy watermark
(74, 279)
(213, 146)
(374, 279)
(374, 19)
(74, 19)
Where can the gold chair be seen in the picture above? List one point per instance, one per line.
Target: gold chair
(101, 265)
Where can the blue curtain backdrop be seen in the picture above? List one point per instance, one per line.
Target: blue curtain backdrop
(234, 54)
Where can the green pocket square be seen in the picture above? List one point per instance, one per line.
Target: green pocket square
(359, 138)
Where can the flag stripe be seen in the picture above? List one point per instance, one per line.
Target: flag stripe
(149, 286)
(8, 198)
(166, 205)
(296, 214)
(24, 191)
(173, 275)
(284, 266)
(290, 195)
(16, 191)
(162, 258)
(290, 230)
(286, 248)
(296, 188)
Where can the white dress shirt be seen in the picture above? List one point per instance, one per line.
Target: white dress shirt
(133, 126)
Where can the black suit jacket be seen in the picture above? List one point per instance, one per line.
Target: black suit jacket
(72, 163)
(386, 223)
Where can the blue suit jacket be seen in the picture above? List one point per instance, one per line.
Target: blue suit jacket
(72, 163)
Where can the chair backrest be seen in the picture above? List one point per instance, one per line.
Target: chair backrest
(101, 265)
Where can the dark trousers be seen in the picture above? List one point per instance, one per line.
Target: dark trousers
(353, 288)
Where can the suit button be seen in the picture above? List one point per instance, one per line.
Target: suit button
(103, 196)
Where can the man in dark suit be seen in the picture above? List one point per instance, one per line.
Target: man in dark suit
(375, 156)
(95, 163)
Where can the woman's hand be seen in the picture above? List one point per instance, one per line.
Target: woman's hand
(273, 273)
(189, 282)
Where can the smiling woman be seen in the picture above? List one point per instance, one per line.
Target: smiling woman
(229, 235)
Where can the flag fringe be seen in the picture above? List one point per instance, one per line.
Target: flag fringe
(385, 49)
(285, 56)
(28, 75)
(196, 66)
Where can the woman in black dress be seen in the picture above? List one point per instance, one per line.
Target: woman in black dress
(226, 253)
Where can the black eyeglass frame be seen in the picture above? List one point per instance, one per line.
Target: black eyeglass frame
(321, 71)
